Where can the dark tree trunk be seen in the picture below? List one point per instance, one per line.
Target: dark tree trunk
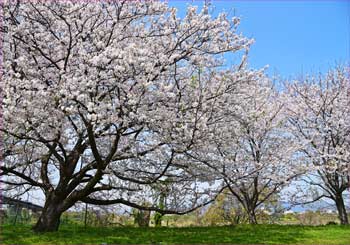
(252, 217)
(343, 217)
(49, 219)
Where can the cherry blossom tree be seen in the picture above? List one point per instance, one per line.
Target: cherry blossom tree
(319, 118)
(254, 154)
(102, 100)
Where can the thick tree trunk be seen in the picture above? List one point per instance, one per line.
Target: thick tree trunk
(49, 219)
(252, 217)
(343, 216)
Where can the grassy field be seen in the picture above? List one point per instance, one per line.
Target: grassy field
(241, 234)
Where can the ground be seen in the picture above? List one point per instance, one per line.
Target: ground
(241, 234)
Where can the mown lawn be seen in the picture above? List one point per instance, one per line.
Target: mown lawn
(241, 234)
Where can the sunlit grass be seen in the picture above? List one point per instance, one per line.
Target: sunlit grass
(241, 234)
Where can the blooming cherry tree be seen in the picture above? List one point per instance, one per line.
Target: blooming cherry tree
(319, 118)
(102, 100)
(252, 152)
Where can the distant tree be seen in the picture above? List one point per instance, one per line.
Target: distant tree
(215, 213)
(274, 208)
(226, 210)
(141, 217)
(319, 118)
(253, 154)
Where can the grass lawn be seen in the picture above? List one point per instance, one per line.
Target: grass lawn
(241, 234)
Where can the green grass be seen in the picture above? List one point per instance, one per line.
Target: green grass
(241, 234)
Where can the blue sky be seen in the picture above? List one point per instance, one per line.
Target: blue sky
(292, 37)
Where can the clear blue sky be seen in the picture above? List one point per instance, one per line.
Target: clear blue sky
(292, 37)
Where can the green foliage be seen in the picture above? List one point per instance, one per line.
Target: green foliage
(141, 217)
(17, 216)
(225, 211)
(163, 189)
(316, 218)
(158, 219)
(215, 213)
(194, 81)
(240, 234)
